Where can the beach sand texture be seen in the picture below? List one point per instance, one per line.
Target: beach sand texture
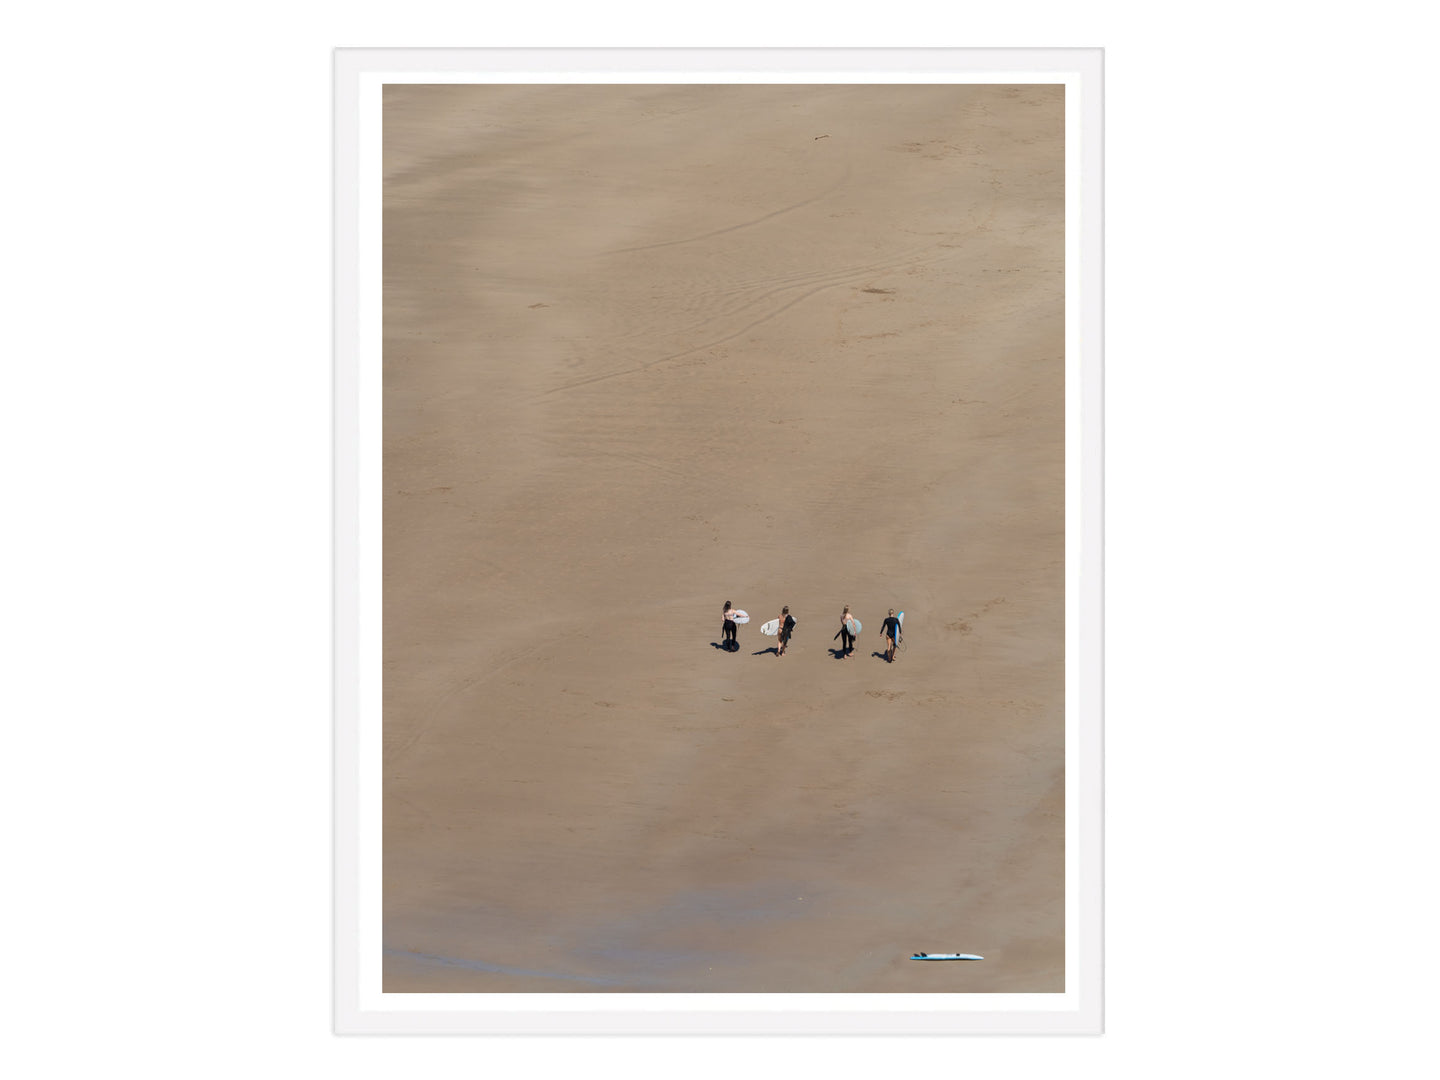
(651, 348)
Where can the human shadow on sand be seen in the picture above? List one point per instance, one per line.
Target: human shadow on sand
(839, 654)
(774, 649)
(881, 656)
(726, 646)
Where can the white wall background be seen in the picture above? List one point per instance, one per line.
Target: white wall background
(164, 423)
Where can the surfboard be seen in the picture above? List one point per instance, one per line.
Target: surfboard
(740, 616)
(854, 626)
(771, 628)
(901, 620)
(945, 956)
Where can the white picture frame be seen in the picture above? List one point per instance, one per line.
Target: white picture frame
(360, 1006)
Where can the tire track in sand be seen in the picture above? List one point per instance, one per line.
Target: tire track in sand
(843, 277)
(844, 179)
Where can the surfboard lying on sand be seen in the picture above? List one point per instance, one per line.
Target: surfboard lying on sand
(945, 956)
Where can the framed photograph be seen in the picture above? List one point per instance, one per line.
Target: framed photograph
(718, 541)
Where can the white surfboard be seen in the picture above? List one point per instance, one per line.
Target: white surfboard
(945, 956)
(771, 628)
(740, 616)
(854, 626)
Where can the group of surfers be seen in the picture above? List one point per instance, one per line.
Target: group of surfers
(890, 631)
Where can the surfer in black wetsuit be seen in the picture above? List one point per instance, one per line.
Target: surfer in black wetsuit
(847, 639)
(787, 624)
(728, 628)
(890, 629)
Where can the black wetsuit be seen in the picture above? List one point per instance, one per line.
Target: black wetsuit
(847, 639)
(892, 629)
(728, 629)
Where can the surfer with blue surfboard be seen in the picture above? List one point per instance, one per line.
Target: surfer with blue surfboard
(890, 630)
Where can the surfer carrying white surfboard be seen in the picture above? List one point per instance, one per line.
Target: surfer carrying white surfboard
(890, 630)
(847, 633)
(787, 625)
(728, 628)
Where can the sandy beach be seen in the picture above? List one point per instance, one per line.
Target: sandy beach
(652, 348)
